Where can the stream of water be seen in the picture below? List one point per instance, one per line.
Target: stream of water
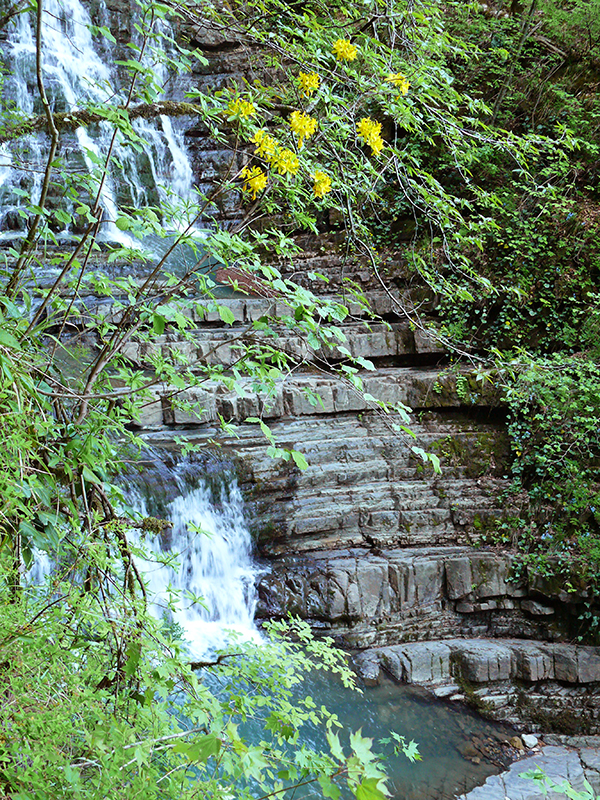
(205, 556)
(78, 72)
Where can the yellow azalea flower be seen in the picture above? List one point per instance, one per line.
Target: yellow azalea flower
(344, 50)
(309, 83)
(302, 125)
(266, 146)
(241, 108)
(286, 161)
(399, 80)
(255, 180)
(322, 183)
(370, 131)
(376, 144)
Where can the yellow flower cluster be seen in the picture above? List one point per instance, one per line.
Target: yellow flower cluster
(241, 108)
(344, 50)
(322, 183)
(399, 80)
(370, 131)
(309, 83)
(255, 180)
(266, 146)
(283, 160)
(286, 161)
(303, 126)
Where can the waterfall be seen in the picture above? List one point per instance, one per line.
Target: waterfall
(78, 72)
(205, 557)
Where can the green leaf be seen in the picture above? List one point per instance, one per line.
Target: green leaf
(123, 223)
(63, 216)
(368, 790)
(204, 748)
(411, 751)
(361, 746)
(419, 452)
(133, 651)
(436, 463)
(89, 476)
(299, 460)
(27, 529)
(365, 363)
(333, 741)
(328, 788)
(226, 315)
(158, 324)
(8, 340)
(266, 431)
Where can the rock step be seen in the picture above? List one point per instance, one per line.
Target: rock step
(443, 512)
(296, 397)
(363, 485)
(406, 594)
(321, 473)
(211, 346)
(379, 508)
(540, 685)
(482, 661)
(247, 309)
(560, 764)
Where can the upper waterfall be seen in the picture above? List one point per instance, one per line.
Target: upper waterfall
(78, 69)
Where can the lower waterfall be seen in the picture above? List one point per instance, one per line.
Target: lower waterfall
(199, 571)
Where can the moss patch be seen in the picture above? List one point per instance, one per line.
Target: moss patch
(479, 454)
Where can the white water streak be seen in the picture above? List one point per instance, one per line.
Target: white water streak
(212, 569)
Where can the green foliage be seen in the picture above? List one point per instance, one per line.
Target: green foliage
(577, 25)
(547, 785)
(98, 705)
(541, 251)
(553, 408)
(98, 699)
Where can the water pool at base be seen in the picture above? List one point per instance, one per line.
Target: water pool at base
(459, 749)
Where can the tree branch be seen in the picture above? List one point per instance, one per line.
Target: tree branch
(71, 120)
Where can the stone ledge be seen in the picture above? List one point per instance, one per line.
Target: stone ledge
(558, 763)
(405, 595)
(218, 346)
(481, 661)
(297, 397)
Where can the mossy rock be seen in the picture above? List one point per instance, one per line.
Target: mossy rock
(480, 453)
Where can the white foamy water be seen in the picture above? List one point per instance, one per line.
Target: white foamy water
(75, 76)
(211, 572)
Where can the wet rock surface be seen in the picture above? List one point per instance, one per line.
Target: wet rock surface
(558, 763)
(533, 685)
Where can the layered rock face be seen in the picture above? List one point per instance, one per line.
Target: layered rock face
(369, 544)
(546, 686)
(409, 594)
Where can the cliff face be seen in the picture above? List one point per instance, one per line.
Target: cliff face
(368, 542)
(373, 547)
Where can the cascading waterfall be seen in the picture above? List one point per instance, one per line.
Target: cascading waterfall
(77, 73)
(214, 572)
(74, 74)
(208, 553)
